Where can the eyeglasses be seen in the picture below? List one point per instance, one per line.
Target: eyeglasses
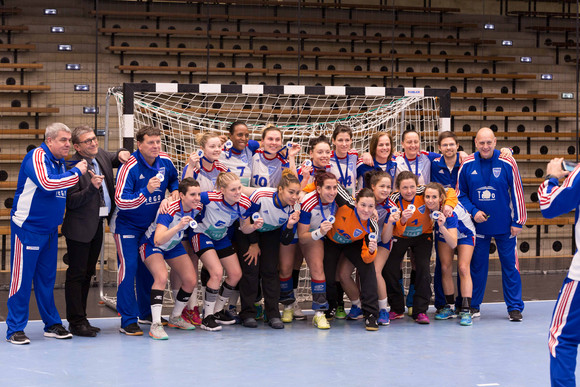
(89, 141)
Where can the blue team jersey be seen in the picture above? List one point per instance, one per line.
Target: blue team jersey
(493, 186)
(361, 168)
(169, 220)
(556, 201)
(240, 161)
(136, 207)
(218, 215)
(461, 220)
(440, 173)
(40, 197)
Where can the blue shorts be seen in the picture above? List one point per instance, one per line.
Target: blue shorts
(202, 243)
(469, 241)
(386, 245)
(147, 249)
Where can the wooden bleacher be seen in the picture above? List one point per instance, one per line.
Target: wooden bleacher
(14, 48)
(267, 54)
(545, 14)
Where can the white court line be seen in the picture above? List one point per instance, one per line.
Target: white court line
(487, 384)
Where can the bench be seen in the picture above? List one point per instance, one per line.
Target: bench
(29, 111)
(527, 135)
(28, 89)
(10, 29)
(253, 35)
(545, 14)
(304, 54)
(22, 67)
(540, 29)
(15, 48)
(385, 22)
(22, 132)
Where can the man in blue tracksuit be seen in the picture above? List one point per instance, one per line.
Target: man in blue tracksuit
(565, 327)
(444, 170)
(490, 188)
(141, 185)
(37, 212)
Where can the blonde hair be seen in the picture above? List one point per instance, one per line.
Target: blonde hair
(269, 128)
(225, 178)
(201, 139)
(288, 177)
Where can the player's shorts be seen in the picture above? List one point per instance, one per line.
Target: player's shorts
(202, 243)
(147, 249)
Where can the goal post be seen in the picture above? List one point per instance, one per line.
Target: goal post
(300, 112)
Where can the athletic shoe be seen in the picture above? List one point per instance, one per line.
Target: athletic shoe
(157, 332)
(233, 312)
(276, 323)
(329, 313)
(410, 295)
(180, 323)
(131, 330)
(340, 313)
(287, 315)
(383, 317)
(249, 322)
(259, 311)
(191, 316)
(465, 319)
(298, 314)
(149, 320)
(515, 315)
(224, 318)
(320, 321)
(475, 312)
(422, 319)
(18, 338)
(355, 313)
(444, 313)
(57, 331)
(396, 316)
(371, 323)
(209, 324)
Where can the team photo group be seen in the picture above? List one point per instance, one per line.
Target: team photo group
(251, 213)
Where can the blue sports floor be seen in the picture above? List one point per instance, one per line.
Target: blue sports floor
(493, 352)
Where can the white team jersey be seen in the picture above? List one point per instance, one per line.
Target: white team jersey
(345, 170)
(207, 177)
(266, 172)
(422, 170)
(169, 220)
(217, 215)
(240, 164)
(274, 216)
(313, 212)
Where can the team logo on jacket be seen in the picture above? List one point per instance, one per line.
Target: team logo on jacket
(220, 223)
(422, 209)
(496, 172)
(272, 170)
(357, 232)
(281, 220)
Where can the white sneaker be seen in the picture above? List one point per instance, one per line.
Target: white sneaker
(298, 313)
(157, 332)
(180, 323)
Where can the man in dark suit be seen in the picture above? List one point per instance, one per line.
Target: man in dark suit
(88, 203)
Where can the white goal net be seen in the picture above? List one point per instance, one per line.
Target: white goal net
(301, 112)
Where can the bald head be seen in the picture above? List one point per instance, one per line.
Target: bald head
(485, 142)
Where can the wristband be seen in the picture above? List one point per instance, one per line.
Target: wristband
(316, 234)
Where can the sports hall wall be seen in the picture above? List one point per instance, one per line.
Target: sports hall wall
(411, 43)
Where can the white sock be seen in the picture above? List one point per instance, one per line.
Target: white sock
(174, 293)
(356, 302)
(156, 313)
(192, 303)
(177, 308)
(220, 303)
(318, 313)
(383, 303)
